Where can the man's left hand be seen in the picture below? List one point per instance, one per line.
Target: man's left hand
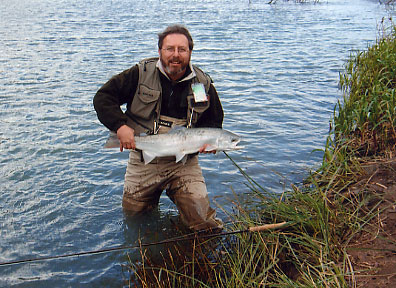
(203, 150)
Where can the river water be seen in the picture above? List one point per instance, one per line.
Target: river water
(275, 67)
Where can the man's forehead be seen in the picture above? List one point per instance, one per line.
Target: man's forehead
(176, 38)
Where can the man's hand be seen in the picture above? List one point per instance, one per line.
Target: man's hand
(203, 150)
(127, 137)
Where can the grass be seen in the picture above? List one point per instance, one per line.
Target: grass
(323, 213)
(367, 117)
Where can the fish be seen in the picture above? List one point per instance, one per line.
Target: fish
(180, 142)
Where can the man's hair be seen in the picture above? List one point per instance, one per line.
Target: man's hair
(175, 29)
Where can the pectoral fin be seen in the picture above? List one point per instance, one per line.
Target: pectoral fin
(147, 157)
(112, 141)
(181, 157)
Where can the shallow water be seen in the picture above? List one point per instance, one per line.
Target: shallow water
(275, 67)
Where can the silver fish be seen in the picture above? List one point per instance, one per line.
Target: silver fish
(180, 142)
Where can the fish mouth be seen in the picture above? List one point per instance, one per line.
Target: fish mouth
(238, 148)
(235, 143)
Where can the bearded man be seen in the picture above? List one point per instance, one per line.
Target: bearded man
(161, 93)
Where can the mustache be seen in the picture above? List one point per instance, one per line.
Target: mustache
(175, 59)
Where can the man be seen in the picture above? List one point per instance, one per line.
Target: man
(162, 93)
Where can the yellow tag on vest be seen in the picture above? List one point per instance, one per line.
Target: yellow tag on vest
(199, 92)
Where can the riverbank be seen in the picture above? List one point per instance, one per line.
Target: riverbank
(365, 127)
(372, 252)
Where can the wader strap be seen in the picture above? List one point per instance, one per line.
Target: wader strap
(189, 125)
(166, 123)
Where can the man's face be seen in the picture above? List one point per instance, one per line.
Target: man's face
(175, 55)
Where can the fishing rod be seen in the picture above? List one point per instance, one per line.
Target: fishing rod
(166, 241)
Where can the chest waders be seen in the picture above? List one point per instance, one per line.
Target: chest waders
(184, 183)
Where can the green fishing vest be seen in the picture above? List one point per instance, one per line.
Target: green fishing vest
(144, 112)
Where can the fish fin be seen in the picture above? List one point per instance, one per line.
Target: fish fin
(181, 157)
(112, 141)
(147, 157)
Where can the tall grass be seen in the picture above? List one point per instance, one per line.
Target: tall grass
(367, 118)
(323, 214)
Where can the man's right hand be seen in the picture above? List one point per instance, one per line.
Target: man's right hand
(127, 138)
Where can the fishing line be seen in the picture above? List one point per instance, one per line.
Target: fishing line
(166, 241)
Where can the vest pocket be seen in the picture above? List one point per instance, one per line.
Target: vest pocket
(144, 102)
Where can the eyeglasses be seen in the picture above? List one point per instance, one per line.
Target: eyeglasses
(180, 50)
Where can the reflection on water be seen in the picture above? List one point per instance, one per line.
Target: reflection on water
(275, 67)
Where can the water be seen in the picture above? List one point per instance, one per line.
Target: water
(275, 68)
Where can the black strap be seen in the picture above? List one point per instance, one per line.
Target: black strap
(165, 123)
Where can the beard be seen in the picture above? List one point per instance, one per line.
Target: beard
(173, 70)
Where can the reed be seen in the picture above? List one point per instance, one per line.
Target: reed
(323, 214)
(367, 116)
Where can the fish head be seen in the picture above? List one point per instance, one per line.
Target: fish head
(229, 141)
